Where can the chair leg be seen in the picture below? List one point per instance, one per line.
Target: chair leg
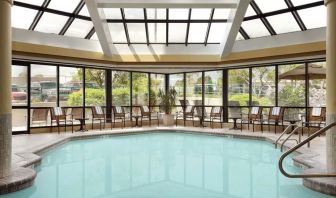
(72, 127)
(92, 124)
(275, 127)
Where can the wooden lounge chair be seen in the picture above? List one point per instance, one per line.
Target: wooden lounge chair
(119, 113)
(275, 117)
(40, 116)
(235, 112)
(59, 116)
(216, 114)
(253, 117)
(98, 114)
(146, 112)
(316, 118)
(188, 113)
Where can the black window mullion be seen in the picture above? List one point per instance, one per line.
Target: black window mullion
(71, 19)
(188, 27)
(125, 26)
(263, 19)
(296, 15)
(209, 27)
(167, 26)
(90, 34)
(146, 25)
(243, 33)
(39, 15)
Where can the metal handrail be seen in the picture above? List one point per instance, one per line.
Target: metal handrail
(282, 134)
(290, 135)
(283, 156)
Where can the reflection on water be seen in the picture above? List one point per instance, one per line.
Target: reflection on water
(164, 165)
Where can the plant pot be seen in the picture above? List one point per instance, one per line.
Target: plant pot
(168, 120)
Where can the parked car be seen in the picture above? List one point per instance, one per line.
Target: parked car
(17, 94)
(49, 91)
(76, 86)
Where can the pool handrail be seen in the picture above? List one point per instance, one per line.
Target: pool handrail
(311, 175)
(291, 134)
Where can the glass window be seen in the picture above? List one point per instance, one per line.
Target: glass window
(19, 119)
(51, 23)
(137, 32)
(250, 11)
(176, 81)
(239, 37)
(194, 88)
(156, 13)
(64, 5)
(134, 13)
(197, 32)
(217, 30)
(200, 13)
(121, 88)
(157, 32)
(71, 86)
(157, 83)
(221, 13)
(317, 20)
(239, 86)
(303, 2)
(43, 86)
(79, 28)
(283, 23)
(177, 32)
(317, 84)
(22, 17)
(94, 87)
(213, 88)
(263, 85)
(140, 92)
(112, 13)
(117, 32)
(84, 11)
(19, 85)
(269, 6)
(32, 2)
(178, 13)
(291, 90)
(255, 28)
(94, 37)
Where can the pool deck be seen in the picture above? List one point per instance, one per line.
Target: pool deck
(27, 148)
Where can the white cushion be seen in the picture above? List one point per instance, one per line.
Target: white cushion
(99, 110)
(216, 110)
(118, 109)
(58, 111)
(254, 110)
(145, 108)
(276, 111)
(316, 111)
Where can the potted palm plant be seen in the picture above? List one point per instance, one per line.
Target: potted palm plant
(167, 103)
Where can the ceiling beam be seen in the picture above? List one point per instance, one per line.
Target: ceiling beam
(167, 4)
(101, 27)
(235, 20)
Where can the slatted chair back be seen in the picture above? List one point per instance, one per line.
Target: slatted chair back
(40, 114)
(216, 111)
(255, 113)
(317, 114)
(57, 113)
(77, 112)
(145, 111)
(276, 113)
(97, 112)
(118, 111)
(184, 103)
(189, 110)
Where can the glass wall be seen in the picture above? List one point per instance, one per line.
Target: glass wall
(238, 86)
(213, 88)
(291, 88)
(177, 81)
(194, 88)
(121, 88)
(71, 86)
(317, 84)
(140, 91)
(94, 87)
(157, 82)
(43, 86)
(263, 86)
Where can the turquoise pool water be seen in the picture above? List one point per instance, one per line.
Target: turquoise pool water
(167, 165)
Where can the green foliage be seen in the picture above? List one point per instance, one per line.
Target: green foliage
(92, 97)
(121, 96)
(92, 75)
(292, 96)
(243, 98)
(167, 100)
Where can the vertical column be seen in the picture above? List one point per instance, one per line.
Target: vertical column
(331, 81)
(5, 87)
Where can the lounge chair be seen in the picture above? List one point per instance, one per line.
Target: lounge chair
(59, 116)
(146, 112)
(316, 118)
(98, 114)
(119, 113)
(275, 117)
(253, 117)
(40, 116)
